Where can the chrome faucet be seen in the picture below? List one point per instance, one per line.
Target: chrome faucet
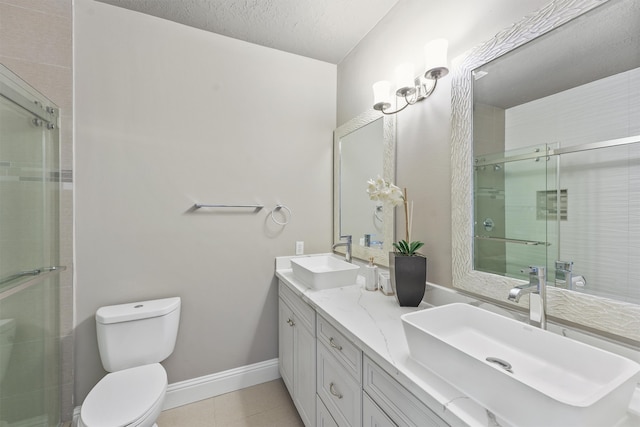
(564, 274)
(347, 243)
(537, 290)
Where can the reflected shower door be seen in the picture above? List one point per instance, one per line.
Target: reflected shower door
(514, 199)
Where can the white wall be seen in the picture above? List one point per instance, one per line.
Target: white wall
(166, 116)
(423, 141)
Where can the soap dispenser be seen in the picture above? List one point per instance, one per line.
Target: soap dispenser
(371, 276)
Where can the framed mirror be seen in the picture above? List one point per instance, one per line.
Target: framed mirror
(545, 150)
(364, 148)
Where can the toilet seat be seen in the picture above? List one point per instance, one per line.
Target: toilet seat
(125, 398)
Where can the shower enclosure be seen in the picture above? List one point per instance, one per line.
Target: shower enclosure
(29, 256)
(574, 209)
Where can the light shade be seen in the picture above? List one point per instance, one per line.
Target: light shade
(409, 88)
(436, 58)
(381, 94)
(405, 79)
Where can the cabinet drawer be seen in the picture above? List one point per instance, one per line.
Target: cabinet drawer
(339, 391)
(324, 417)
(305, 314)
(404, 409)
(341, 347)
(372, 415)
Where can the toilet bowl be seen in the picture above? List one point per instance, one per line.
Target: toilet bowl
(133, 339)
(132, 397)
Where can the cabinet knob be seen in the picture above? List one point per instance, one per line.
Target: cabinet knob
(333, 391)
(290, 322)
(334, 345)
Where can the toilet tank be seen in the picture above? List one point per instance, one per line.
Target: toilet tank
(136, 334)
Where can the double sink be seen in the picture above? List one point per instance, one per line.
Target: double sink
(525, 375)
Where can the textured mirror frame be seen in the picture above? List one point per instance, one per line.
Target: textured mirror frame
(611, 318)
(381, 256)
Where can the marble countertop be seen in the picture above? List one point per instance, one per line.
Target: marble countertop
(372, 321)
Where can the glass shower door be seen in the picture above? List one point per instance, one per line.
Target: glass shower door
(29, 256)
(514, 199)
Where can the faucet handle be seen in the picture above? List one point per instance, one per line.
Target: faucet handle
(346, 236)
(564, 274)
(534, 270)
(564, 265)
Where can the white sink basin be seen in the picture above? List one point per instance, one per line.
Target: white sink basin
(551, 381)
(324, 271)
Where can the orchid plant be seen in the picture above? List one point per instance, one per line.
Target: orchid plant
(387, 192)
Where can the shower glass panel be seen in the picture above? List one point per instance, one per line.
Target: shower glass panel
(514, 214)
(29, 249)
(602, 234)
(559, 205)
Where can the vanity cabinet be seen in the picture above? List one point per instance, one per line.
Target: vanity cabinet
(332, 383)
(338, 384)
(324, 416)
(372, 415)
(297, 352)
(401, 407)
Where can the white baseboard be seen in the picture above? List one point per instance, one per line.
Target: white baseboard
(193, 390)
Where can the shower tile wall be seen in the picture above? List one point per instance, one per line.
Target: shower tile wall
(488, 137)
(602, 232)
(36, 44)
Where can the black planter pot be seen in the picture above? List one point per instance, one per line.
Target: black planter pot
(408, 278)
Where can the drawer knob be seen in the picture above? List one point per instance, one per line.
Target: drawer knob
(290, 322)
(334, 345)
(333, 391)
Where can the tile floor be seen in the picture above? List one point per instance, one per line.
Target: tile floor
(263, 405)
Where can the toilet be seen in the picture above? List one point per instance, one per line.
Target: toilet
(133, 339)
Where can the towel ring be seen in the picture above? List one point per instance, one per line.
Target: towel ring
(376, 212)
(287, 215)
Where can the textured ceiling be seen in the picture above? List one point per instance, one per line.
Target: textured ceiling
(322, 29)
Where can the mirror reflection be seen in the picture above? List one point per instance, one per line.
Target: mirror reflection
(364, 148)
(360, 160)
(556, 147)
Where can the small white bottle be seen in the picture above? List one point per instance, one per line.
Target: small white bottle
(371, 276)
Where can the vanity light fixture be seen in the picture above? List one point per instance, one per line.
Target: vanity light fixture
(412, 89)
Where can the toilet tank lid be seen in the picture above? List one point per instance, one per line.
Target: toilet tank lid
(137, 310)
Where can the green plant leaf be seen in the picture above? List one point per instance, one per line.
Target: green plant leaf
(406, 248)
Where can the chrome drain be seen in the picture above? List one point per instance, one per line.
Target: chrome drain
(502, 363)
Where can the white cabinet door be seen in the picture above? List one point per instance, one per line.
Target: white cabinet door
(304, 374)
(297, 353)
(285, 344)
(372, 415)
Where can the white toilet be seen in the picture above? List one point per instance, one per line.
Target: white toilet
(132, 339)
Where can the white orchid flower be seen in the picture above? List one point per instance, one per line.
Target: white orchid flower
(384, 191)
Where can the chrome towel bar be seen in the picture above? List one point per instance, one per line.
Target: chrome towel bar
(36, 276)
(198, 206)
(34, 272)
(518, 241)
